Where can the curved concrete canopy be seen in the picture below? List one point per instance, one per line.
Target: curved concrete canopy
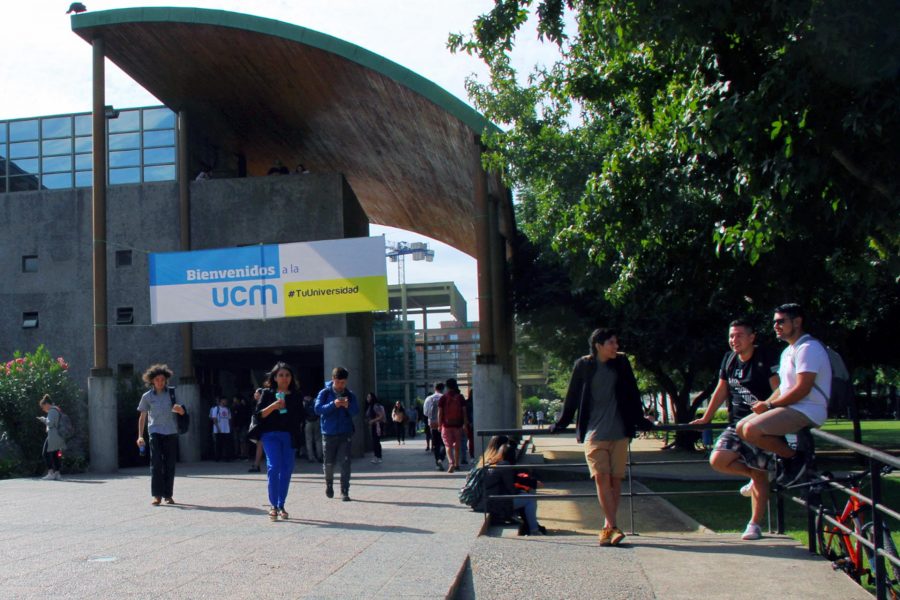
(270, 90)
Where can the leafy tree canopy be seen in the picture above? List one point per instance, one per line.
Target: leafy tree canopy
(683, 163)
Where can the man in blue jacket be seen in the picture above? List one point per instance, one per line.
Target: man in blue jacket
(337, 405)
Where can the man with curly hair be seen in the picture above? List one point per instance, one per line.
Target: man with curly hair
(158, 409)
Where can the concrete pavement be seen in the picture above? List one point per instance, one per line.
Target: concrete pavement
(404, 535)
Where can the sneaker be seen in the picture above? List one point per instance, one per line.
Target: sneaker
(170, 500)
(253, 469)
(329, 490)
(604, 536)
(753, 532)
(374, 461)
(747, 489)
(345, 496)
(616, 536)
(48, 477)
(438, 465)
(792, 470)
(57, 476)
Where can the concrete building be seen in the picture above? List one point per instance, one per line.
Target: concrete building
(241, 95)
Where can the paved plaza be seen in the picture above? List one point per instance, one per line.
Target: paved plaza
(404, 535)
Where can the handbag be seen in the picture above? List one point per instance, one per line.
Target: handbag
(183, 421)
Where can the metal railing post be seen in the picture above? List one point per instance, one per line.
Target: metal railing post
(630, 491)
(779, 513)
(878, 531)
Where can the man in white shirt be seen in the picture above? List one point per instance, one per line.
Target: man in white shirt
(430, 408)
(801, 399)
(220, 416)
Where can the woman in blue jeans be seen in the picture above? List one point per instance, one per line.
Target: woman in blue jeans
(280, 411)
(504, 482)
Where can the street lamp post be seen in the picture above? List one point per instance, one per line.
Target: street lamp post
(397, 252)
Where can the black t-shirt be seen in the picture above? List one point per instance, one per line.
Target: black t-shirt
(747, 381)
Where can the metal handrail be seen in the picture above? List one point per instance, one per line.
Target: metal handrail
(876, 461)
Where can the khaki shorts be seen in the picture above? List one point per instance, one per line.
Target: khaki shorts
(781, 420)
(607, 457)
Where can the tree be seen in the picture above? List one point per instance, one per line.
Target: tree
(683, 163)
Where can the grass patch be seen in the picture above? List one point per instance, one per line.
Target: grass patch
(879, 434)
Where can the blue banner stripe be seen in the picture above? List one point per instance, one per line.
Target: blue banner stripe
(219, 265)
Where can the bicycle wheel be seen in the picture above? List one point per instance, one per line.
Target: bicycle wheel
(831, 542)
(891, 570)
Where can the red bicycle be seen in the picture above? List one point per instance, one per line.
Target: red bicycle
(844, 550)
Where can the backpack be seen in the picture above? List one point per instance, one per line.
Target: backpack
(841, 384)
(453, 410)
(65, 427)
(472, 490)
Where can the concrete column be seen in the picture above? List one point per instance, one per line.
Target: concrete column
(347, 352)
(487, 349)
(103, 424)
(494, 402)
(98, 212)
(190, 445)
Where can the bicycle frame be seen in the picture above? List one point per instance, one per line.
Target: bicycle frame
(851, 519)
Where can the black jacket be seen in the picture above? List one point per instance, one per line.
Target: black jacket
(579, 397)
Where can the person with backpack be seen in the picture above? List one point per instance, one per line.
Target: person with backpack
(376, 419)
(158, 409)
(801, 400)
(55, 442)
(430, 409)
(506, 482)
(452, 421)
(747, 373)
(398, 416)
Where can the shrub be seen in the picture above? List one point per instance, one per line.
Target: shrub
(23, 381)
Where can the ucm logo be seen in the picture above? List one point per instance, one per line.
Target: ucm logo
(239, 295)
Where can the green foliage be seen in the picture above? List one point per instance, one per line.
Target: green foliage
(685, 163)
(532, 403)
(23, 382)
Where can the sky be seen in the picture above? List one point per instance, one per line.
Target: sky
(47, 70)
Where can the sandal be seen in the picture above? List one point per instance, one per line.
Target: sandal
(283, 514)
(156, 501)
(273, 514)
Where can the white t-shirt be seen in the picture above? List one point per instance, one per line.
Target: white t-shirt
(807, 355)
(223, 419)
(430, 408)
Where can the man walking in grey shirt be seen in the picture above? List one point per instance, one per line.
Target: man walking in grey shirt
(604, 392)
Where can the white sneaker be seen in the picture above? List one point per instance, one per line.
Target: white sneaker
(57, 476)
(375, 461)
(48, 477)
(753, 532)
(747, 489)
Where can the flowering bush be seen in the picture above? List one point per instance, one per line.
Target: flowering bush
(23, 381)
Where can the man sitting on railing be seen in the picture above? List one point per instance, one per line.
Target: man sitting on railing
(604, 392)
(800, 401)
(747, 374)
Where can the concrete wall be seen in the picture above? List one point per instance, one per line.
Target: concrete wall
(56, 226)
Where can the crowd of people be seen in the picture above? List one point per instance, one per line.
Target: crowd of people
(767, 397)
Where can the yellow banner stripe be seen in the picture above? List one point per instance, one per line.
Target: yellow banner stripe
(334, 296)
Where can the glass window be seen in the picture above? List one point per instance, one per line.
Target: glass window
(23, 130)
(159, 138)
(30, 264)
(159, 155)
(159, 118)
(56, 127)
(29, 320)
(127, 158)
(23, 166)
(61, 146)
(3, 163)
(123, 258)
(84, 144)
(83, 125)
(124, 315)
(23, 183)
(161, 173)
(23, 150)
(124, 141)
(53, 164)
(57, 181)
(128, 120)
(119, 176)
(2, 131)
(84, 179)
(84, 161)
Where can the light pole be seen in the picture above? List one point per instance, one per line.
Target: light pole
(397, 252)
